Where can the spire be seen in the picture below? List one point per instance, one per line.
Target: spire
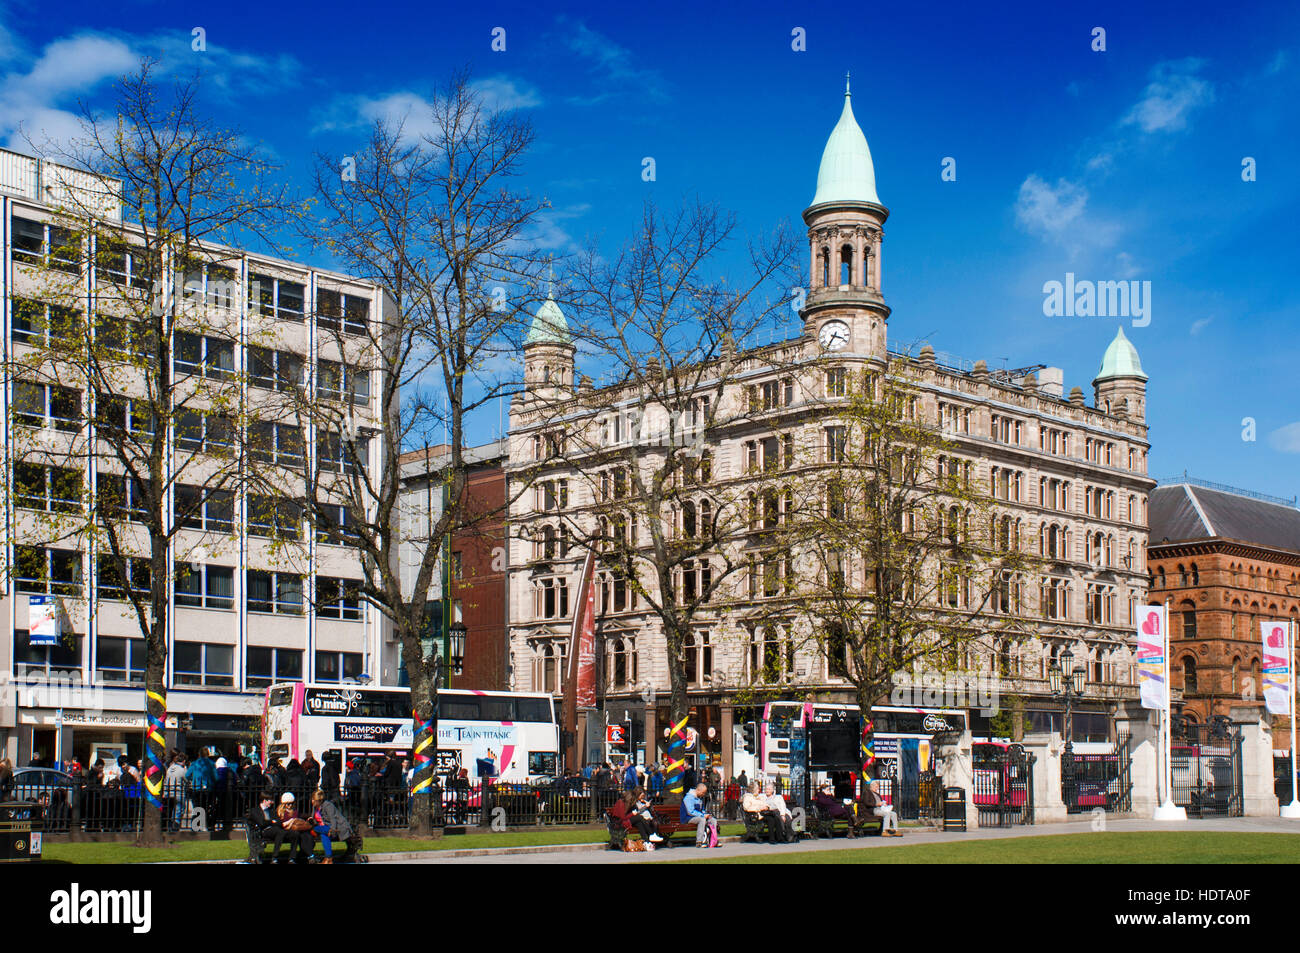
(847, 173)
(1121, 360)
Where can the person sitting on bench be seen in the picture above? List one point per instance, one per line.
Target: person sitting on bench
(754, 803)
(624, 810)
(875, 805)
(262, 825)
(828, 804)
(777, 803)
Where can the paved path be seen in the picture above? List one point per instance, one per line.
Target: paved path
(587, 854)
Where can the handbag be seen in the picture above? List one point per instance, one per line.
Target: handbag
(299, 825)
(633, 846)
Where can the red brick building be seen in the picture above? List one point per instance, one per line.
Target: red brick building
(478, 555)
(1224, 560)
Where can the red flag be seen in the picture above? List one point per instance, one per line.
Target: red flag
(580, 686)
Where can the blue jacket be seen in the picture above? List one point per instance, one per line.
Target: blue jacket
(629, 777)
(201, 774)
(692, 807)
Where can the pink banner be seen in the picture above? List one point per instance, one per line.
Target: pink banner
(1277, 666)
(1152, 666)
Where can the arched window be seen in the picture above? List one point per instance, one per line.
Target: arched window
(548, 669)
(846, 265)
(826, 267)
(1160, 578)
(1182, 575)
(837, 652)
(1189, 675)
(548, 542)
(688, 520)
(706, 518)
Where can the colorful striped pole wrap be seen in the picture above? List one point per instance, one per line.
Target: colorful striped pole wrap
(154, 749)
(676, 769)
(868, 745)
(424, 741)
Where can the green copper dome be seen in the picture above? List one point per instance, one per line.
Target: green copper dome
(549, 325)
(847, 173)
(1121, 360)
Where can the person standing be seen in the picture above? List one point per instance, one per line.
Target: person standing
(311, 771)
(693, 812)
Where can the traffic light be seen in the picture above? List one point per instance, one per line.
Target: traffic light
(750, 733)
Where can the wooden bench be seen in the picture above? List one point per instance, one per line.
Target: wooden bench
(262, 850)
(667, 821)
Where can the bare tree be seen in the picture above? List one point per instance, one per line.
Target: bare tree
(436, 220)
(889, 551)
(664, 325)
(132, 329)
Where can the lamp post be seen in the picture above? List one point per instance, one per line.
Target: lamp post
(1067, 681)
(457, 633)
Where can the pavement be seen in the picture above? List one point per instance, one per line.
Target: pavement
(731, 846)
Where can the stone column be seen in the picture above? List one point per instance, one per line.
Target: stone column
(725, 741)
(1140, 724)
(1258, 799)
(652, 739)
(1047, 749)
(955, 766)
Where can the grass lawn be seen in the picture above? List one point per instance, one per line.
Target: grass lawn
(237, 848)
(1140, 847)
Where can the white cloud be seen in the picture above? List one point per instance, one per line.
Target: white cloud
(611, 64)
(1174, 92)
(1286, 439)
(1200, 325)
(31, 101)
(415, 112)
(1049, 210)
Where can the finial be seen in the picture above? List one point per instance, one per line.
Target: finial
(846, 82)
(550, 278)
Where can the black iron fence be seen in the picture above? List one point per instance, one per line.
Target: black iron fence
(189, 808)
(1004, 787)
(1205, 764)
(1091, 782)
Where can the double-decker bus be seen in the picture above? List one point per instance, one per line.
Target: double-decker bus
(507, 735)
(896, 729)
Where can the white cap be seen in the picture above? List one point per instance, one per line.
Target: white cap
(221, 762)
(286, 796)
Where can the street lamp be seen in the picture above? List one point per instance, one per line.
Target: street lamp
(1067, 682)
(457, 631)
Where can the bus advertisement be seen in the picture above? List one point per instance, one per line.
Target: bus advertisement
(511, 736)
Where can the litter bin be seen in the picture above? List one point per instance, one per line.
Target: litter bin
(954, 809)
(20, 831)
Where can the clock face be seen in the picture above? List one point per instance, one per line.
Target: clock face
(834, 335)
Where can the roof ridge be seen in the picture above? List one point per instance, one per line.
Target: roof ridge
(1199, 510)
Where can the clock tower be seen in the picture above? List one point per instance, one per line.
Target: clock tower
(845, 309)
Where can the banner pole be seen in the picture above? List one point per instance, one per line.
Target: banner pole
(1167, 810)
(1291, 810)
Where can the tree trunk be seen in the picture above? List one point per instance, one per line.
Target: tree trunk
(424, 732)
(155, 739)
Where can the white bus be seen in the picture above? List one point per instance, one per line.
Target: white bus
(511, 736)
(896, 730)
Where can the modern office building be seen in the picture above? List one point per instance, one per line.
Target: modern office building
(258, 593)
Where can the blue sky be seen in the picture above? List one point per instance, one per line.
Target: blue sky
(1117, 165)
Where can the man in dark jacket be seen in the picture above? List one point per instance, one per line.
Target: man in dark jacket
(262, 826)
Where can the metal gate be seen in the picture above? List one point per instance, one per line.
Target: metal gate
(1004, 787)
(1205, 761)
(1098, 781)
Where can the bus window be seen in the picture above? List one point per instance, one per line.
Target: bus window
(541, 762)
(281, 696)
(496, 709)
(533, 709)
(459, 709)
